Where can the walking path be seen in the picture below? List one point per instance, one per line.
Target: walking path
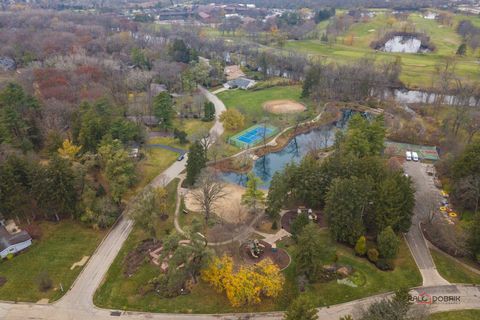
(77, 304)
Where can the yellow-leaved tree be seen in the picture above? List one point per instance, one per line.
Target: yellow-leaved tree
(69, 150)
(246, 286)
(232, 119)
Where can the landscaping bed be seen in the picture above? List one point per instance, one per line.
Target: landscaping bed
(278, 256)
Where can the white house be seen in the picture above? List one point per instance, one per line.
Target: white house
(242, 83)
(13, 242)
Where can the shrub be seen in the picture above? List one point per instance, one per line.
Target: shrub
(361, 246)
(372, 255)
(10, 256)
(388, 243)
(385, 264)
(44, 281)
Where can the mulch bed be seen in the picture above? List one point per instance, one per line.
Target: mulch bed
(280, 257)
(289, 217)
(136, 257)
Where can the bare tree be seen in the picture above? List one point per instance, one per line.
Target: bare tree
(209, 189)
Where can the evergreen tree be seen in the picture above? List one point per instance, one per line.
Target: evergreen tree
(163, 109)
(311, 252)
(209, 111)
(361, 246)
(347, 202)
(388, 243)
(462, 50)
(195, 163)
(301, 308)
(276, 196)
(298, 225)
(55, 189)
(253, 196)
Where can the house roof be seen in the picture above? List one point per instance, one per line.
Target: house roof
(8, 239)
(243, 83)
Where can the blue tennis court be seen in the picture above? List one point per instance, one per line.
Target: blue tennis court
(253, 135)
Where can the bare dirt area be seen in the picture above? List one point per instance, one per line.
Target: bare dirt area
(229, 208)
(278, 256)
(283, 106)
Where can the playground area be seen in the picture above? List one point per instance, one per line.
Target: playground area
(253, 135)
(283, 106)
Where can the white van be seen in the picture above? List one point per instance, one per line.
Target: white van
(408, 155)
(414, 156)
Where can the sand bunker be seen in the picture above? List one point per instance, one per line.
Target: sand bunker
(228, 208)
(283, 106)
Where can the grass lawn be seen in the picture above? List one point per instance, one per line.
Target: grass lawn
(418, 69)
(249, 103)
(123, 293)
(456, 315)
(61, 245)
(405, 274)
(452, 271)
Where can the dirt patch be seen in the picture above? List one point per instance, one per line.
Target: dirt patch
(283, 106)
(279, 256)
(80, 263)
(289, 217)
(136, 257)
(229, 208)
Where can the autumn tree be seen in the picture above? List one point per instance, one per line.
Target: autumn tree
(69, 150)
(361, 246)
(148, 209)
(232, 119)
(246, 286)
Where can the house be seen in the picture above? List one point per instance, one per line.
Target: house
(7, 64)
(149, 121)
(242, 83)
(11, 243)
(233, 72)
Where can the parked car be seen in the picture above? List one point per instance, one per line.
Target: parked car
(414, 156)
(181, 157)
(408, 155)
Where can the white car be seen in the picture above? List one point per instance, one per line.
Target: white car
(408, 155)
(414, 156)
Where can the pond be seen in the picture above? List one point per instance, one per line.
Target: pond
(404, 44)
(266, 166)
(415, 96)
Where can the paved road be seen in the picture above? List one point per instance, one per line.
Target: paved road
(426, 197)
(164, 146)
(77, 303)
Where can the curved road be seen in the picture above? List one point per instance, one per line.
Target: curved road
(77, 303)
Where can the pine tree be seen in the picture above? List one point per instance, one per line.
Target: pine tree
(195, 163)
(163, 109)
(388, 243)
(209, 111)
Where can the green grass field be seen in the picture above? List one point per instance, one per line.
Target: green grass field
(120, 292)
(453, 271)
(405, 274)
(456, 315)
(249, 103)
(61, 245)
